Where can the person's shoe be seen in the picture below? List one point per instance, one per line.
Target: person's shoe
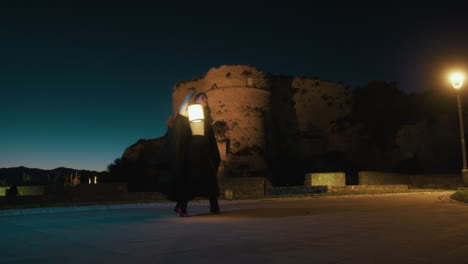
(180, 213)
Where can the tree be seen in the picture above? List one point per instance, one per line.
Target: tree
(379, 110)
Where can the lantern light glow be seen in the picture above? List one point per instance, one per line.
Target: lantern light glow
(195, 113)
(457, 80)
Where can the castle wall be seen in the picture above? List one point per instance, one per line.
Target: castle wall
(238, 97)
(318, 105)
(241, 111)
(223, 76)
(261, 120)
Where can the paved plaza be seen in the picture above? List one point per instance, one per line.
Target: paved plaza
(391, 228)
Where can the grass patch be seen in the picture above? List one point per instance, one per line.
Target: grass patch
(461, 195)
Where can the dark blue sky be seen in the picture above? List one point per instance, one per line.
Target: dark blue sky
(81, 82)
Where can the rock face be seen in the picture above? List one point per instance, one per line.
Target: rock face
(263, 121)
(138, 165)
(144, 149)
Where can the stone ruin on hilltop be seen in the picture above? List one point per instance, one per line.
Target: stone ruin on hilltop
(263, 121)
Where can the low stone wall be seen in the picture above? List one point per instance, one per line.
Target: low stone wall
(296, 190)
(108, 188)
(124, 196)
(25, 190)
(325, 178)
(236, 188)
(382, 178)
(110, 191)
(366, 188)
(293, 190)
(432, 181)
(241, 188)
(436, 181)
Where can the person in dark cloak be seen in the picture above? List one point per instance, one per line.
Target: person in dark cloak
(192, 160)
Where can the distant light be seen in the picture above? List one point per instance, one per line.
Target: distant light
(195, 113)
(95, 179)
(457, 79)
(89, 180)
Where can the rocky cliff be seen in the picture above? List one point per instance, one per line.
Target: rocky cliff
(144, 149)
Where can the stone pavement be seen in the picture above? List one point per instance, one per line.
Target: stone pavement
(395, 228)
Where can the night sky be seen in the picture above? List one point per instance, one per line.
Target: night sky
(81, 82)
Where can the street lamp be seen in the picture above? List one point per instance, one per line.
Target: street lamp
(457, 82)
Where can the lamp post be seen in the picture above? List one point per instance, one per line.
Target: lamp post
(457, 82)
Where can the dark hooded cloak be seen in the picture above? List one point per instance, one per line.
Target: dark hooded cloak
(192, 162)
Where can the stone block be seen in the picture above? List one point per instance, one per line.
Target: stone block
(241, 188)
(367, 188)
(325, 178)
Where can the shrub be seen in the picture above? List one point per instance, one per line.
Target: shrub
(3, 183)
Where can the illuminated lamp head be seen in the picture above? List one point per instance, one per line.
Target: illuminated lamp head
(457, 80)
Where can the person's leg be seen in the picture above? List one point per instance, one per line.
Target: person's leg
(214, 206)
(177, 207)
(181, 208)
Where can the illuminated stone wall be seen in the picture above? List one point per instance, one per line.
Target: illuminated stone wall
(222, 77)
(259, 117)
(239, 98)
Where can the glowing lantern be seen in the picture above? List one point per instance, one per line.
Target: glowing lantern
(196, 118)
(457, 80)
(195, 113)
